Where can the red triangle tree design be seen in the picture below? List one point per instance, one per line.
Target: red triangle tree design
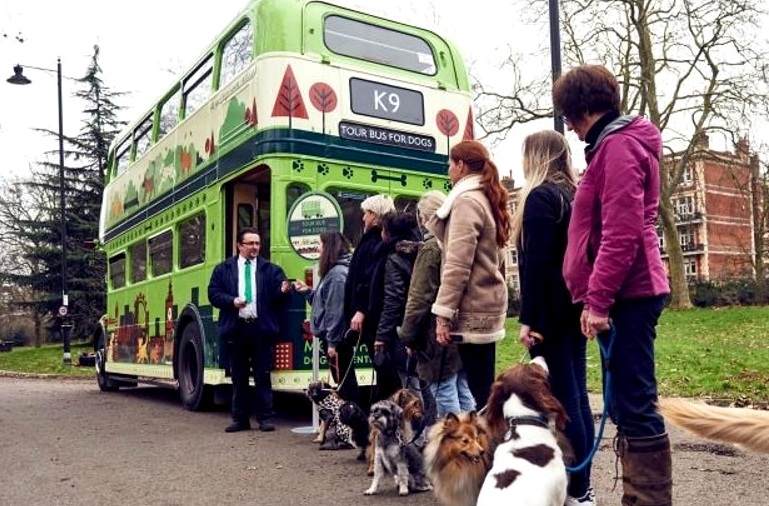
(469, 126)
(289, 101)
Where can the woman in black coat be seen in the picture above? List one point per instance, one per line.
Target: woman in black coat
(387, 301)
(550, 322)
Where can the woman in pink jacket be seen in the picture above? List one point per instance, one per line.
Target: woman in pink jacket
(613, 267)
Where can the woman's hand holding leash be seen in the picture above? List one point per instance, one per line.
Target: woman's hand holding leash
(442, 328)
(592, 324)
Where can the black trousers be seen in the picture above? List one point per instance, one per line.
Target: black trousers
(343, 369)
(251, 353)
(479, 361)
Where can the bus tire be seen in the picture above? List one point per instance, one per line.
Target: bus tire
(106, 384)
(195, 395)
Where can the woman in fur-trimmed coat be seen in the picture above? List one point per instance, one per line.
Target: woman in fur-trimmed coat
(473, 227)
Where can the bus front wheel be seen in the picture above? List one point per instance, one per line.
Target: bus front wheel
(193, 392)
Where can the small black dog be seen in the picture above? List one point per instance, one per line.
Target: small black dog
(328, 403)
(354, 417)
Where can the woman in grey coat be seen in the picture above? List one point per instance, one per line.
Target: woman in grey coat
(327, 320)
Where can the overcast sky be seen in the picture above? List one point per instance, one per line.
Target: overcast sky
(143, 43)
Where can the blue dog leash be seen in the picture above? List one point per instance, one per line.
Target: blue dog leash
(606, 353)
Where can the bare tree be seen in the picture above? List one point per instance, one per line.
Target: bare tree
(691, 66)
(21, 253)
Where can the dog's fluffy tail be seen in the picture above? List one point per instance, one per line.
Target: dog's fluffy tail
(746, 427)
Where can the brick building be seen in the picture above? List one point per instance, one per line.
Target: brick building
(714, 213)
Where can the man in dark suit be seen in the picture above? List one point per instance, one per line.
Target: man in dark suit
(250, 293)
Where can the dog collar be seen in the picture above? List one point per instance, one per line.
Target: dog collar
(515, 421)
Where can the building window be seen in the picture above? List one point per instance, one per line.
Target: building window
(687, 176)
(513, 256)
(690, 268)
(685, 206)
(686, 236)
(514, 283)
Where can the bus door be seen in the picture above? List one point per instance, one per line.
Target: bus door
(248, 205)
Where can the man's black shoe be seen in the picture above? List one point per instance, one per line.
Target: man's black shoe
(266, 426)
(237, 427)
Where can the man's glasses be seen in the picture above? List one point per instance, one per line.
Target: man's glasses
(251, 243)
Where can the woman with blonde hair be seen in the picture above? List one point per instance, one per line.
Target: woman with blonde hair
(472, 227)
(550, 322)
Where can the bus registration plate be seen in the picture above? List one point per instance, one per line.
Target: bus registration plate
(369, 98)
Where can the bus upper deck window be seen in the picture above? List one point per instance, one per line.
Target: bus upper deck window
(169, 114)
(237, 54)
(123, 157)
(197, 86)
(142, 138)
(373, 43)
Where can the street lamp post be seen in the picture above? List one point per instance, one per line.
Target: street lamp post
(555, 54)
(18, 77)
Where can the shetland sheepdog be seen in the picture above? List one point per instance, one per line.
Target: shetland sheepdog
(747, 428)
(457, 457)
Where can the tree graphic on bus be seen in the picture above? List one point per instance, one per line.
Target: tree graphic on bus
(323, 97)
(448, 124)
(289, 100)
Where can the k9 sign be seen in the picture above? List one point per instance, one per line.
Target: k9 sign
(369, 98)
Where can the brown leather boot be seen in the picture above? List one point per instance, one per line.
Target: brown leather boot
(647, 471)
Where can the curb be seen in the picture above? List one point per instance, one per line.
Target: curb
(32, 375)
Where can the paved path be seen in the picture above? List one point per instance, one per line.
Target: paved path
(65, 443)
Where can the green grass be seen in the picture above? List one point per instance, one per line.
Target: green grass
(716, 353)
(47, 359)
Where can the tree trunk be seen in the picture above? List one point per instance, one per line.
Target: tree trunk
(679, 288)
(38, 329)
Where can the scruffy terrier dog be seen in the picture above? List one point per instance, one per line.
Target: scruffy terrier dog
(413, 417)
(354, 417)
(329, 403)
(395, 454)
(457, 456)
(528, 467)
(747, 428)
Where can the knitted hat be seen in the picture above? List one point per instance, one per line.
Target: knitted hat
(428, 204)
(378, 204)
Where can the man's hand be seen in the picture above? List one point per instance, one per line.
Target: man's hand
(285, 286)
(356, 323)
(379, 345)
(331, 352)
(239, 303)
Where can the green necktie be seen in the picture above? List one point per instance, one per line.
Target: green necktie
(249, 288)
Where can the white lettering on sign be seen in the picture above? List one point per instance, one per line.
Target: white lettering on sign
(386, 136)
(393, 100)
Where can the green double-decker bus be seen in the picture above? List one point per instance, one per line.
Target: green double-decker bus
(295, 114)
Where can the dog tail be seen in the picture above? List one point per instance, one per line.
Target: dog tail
(746, 427)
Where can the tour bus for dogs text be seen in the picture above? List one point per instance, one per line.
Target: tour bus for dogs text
(294, 115)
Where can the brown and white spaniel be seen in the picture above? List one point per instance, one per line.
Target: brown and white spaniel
(528, 467)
